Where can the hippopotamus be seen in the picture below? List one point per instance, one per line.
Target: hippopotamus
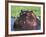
(26, 21)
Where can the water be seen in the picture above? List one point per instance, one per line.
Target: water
(12, 23)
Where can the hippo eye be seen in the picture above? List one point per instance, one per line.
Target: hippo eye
(24, 13)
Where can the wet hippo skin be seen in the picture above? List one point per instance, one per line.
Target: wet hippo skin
(26, 21)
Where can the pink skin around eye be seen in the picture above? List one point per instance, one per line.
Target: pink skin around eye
(34, 24)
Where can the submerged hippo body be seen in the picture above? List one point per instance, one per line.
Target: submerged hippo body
(26, 21)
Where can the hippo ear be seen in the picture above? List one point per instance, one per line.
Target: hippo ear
(22, 11)
(31, 11)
